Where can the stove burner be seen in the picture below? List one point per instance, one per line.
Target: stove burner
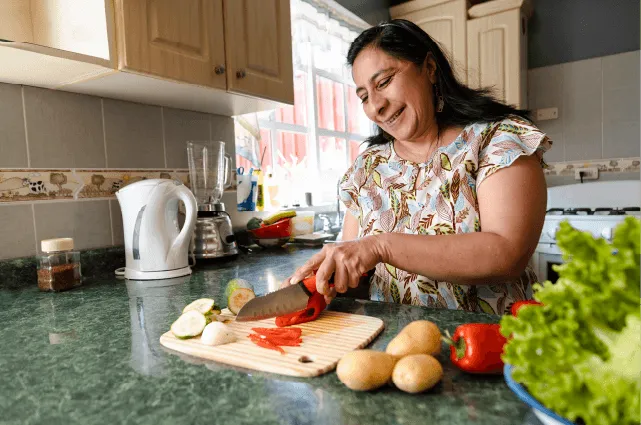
(579, 211)
(555, 211)
(588, 211)
(616, 211)
(569, 211)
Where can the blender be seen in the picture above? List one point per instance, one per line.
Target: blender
(210, 175)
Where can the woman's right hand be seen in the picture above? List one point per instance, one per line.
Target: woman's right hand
(347, 262)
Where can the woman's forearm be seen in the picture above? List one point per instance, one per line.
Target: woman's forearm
(470, 258)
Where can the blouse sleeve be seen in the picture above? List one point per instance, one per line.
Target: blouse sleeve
(348, 188)
(508, 140)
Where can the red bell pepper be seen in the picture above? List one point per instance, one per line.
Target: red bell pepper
(517, 305)
(315, 306)
(477, 348)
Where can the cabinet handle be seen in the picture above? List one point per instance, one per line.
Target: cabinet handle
(219, 70)
(241, 74)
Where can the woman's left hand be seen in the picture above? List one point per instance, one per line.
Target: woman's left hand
(347, 261)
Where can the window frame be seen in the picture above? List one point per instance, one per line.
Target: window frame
(313, 130)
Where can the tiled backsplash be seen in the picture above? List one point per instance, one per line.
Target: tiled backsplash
(40, 184)
(63, 155)
(598, 103)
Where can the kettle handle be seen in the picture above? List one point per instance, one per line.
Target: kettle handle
(189, 200)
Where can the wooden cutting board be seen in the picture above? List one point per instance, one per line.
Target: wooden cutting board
(325, 341)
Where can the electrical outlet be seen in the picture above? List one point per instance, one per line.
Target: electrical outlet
(591, 173)
(547, 114)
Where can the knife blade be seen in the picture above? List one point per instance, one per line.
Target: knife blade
(278, 303)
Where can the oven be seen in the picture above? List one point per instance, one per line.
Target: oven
(591, 207)
(546, 256)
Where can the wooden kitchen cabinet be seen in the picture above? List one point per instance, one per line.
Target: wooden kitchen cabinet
(258, 44)
(445, 21)
(179, 41)
(227, 57)
(497, 49)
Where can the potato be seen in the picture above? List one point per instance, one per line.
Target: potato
(418, 337)
(417, 373)
(364, 370)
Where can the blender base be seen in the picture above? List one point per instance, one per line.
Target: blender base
(213, 236)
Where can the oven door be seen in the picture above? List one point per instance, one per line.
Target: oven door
(546, 256)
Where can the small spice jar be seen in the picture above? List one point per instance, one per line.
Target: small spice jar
(58, 265)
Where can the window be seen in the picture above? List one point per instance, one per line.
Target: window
(309, 146)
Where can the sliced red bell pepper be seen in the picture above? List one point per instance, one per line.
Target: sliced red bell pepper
(265, 343)
(285, 333)
(517, 305)
(284, 342)
(477, 348)
(315, 306)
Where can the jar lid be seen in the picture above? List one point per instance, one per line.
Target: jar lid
(53, 245)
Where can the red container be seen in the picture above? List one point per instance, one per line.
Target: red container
(281, 229)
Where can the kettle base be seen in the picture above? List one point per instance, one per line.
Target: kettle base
(133, 274)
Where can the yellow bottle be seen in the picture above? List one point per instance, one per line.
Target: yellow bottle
(260, 201)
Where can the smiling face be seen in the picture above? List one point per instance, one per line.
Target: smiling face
(396, 94)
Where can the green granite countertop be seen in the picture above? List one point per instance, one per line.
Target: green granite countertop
(92, 356)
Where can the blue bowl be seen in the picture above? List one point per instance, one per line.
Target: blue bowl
(545, 415)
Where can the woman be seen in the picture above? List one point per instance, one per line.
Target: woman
(448, 201)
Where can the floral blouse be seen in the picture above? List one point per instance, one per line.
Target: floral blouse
(387, 193)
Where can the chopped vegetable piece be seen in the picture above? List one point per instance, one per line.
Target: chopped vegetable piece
(202, 306)
(277, 337)
(189, 325)
(217, 333)
(287, 332)
(262, 342)
(238, 292)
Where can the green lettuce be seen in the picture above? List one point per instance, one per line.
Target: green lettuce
(579, 354)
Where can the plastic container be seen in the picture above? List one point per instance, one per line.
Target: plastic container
(303, 223)
(58, 265)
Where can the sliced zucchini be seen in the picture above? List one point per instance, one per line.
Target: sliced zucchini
(203, 306)
(238, 292)
(189, 325)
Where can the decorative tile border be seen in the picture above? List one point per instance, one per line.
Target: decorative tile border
(623, 165)
(28, 185)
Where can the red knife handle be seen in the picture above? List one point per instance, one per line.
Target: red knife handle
(315, 306)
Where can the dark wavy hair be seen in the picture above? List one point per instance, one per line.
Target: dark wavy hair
(404, 40)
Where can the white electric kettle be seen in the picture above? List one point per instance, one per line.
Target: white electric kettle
(155, 247)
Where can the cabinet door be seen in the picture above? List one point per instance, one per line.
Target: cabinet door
(497, 50)
(445, 23)
(178, 40)
(258, 44)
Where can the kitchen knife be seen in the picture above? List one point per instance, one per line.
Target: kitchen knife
(278, 303)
